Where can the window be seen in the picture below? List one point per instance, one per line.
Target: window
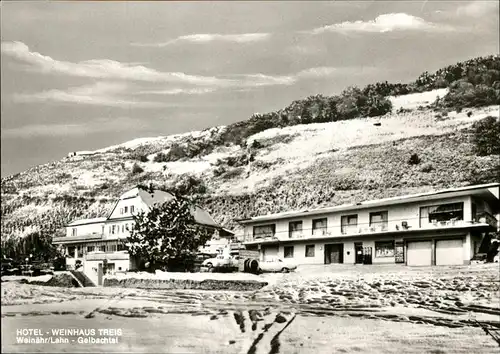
(319, 226)
(112, 248)
(384, 249)
(80, 251)
(309, 250)
(264, 231)
(120, 247)
(443, 214)
(349, 224)
(113, 229)
(73, 231)
(126, 209)
(295, 229)
(123, 228)
(90, 249)
(378, 221)
(71, 252)
(110, 268)
(121, 210)
(288, 251)
(132, 208)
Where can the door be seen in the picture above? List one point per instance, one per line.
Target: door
(449, 252)
(358, 251)
(334, 253)
(367, 255)
(419, 253)
(270, 252)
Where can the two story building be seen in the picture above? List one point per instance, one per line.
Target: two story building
(439, 228)
(90, 242)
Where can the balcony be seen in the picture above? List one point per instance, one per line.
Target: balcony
(77, 239)
(486, 218)
(100, 256)
(383, 228)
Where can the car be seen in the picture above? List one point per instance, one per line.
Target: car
(277, 265)
(221, 261)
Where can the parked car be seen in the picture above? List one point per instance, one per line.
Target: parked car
(221, 261)
(277, 265)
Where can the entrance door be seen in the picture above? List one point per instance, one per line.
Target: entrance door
(269, 252)
(334, 253)
(419, 253)
(358, 250)
(367, 255)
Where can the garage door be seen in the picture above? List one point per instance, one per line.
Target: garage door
(449, 252)
(419, 253)
(270, 252)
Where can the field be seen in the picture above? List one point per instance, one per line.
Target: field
(323, 309)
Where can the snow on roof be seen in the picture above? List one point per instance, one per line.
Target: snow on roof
(376, 202)
(87, 221)
(160, 197)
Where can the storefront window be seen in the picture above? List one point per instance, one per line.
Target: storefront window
(384, 249)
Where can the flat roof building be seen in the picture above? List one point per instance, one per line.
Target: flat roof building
(437, 228)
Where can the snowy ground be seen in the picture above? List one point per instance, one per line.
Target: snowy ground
(323, 309)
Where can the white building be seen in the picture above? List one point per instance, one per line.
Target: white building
(90, 242)
(437, 228)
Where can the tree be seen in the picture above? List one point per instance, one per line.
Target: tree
(486, 135)
(167, 234)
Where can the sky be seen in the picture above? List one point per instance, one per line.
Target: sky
(86, 75)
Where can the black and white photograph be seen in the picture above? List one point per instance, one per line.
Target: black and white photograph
(250, 177)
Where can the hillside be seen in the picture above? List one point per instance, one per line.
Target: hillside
(248, 168)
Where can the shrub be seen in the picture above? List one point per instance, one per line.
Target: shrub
(256, 145)
(160, 157)
(427, 168)
(219, 171)
(137, 169)
(232, 173)
(486, 136)
(175, 153)
(414, 159)
(188, 185)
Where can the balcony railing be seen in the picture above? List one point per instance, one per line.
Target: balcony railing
(351, 230)
(486, 218)
(77, 239)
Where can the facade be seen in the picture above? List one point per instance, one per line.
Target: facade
(439, 228)
(90, 242)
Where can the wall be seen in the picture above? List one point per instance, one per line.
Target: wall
(90, 267)
(85, 229)
(409, 212)
(299, 253)
(128, 199)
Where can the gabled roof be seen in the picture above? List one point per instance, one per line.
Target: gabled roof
(160, 197)
(87, 221)
(156, 197)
